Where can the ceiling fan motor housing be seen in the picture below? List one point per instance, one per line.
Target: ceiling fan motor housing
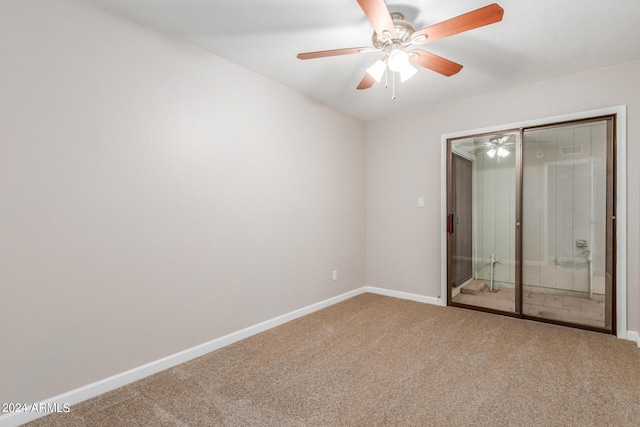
(404, 30)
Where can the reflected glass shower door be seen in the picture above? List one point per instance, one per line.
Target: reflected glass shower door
(481, 222)
(566, 214)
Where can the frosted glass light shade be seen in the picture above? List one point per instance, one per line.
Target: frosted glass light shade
(398, 58)
(399, 62)
(406, 72)
(377, 70)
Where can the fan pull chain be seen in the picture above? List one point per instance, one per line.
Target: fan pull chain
(393, 86)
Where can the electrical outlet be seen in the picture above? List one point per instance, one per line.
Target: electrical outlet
(335, 274)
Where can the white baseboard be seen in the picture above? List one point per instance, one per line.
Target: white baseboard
(634, 336)
(404, 295)
(92, 390)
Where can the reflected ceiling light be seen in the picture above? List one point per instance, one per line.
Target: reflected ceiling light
(502, 152)
(497, 147)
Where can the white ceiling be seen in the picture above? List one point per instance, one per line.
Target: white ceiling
(536, 40)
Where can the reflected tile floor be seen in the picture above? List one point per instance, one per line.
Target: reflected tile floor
(503, 299)
(582, 311)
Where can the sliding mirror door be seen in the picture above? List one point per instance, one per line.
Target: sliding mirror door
(531, 223)
(481, 222)
(568, 216)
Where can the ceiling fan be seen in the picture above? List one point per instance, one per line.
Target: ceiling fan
(393, 34)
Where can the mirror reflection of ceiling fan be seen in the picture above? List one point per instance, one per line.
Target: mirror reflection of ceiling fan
(393, 35)
(497, 146)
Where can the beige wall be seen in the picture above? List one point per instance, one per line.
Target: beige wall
(155, 197)
(404, 162)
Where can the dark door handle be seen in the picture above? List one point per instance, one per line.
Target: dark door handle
(450, 224)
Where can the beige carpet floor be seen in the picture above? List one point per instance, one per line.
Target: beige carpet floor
(375, 360)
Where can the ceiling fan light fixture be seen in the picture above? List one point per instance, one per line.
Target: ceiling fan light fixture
(377, 70)
(491, 153)
(392, 33)
(398, 62)
(406, 72)
(502, 152)
(398, 59)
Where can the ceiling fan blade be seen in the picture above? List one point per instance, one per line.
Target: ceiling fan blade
(434, 62)
(334, 52)
(366, 82)
(379, 16)
(475, 19)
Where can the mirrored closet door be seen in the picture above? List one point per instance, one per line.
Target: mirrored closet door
(567, 237)
(531, 223)
(481, 222)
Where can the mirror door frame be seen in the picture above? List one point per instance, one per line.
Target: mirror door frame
(618, 203)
